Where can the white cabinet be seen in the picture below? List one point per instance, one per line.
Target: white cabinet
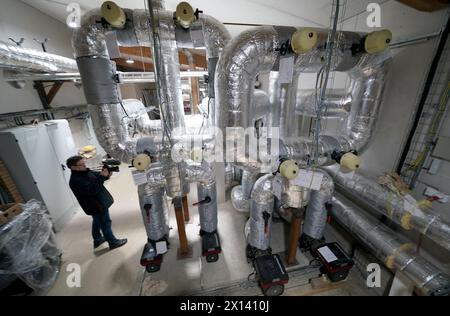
(35, 157)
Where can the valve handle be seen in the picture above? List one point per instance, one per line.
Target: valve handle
(204, 201)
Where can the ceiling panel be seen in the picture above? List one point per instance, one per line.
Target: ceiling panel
(272, 12)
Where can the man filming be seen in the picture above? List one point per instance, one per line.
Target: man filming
(94, 199)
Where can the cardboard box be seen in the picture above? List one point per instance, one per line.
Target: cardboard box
(8, 212)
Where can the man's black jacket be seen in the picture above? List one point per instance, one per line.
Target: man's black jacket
(87, 186)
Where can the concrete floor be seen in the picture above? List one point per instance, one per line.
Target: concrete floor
(118, 272)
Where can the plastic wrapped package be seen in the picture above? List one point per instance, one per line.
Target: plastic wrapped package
(28, 248)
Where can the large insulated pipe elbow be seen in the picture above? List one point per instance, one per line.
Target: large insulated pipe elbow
(250, 53)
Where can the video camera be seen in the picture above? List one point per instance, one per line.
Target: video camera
(111, 164)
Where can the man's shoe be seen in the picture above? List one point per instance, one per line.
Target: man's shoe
(101, 241)
(118, 243)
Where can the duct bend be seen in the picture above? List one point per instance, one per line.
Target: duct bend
(98, 75)
(246, 55)
(206, 194)
(316, 212)
(240, 194)
(368, 80)
(402, 210)
(261, 208)
(396, 253)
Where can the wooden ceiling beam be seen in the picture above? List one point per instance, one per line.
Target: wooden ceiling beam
(199, 60)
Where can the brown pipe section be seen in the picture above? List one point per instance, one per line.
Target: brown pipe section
(184, 248)
(294, 234)
(185, 208)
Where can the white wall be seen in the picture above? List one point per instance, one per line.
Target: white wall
(21, 20)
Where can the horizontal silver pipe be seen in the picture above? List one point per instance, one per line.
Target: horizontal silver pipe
(337, 104)
(400, 209)
(23, 59)
(124, 77)
(395, 252)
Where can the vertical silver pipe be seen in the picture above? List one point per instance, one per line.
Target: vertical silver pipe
(262, 202)
(316, 213)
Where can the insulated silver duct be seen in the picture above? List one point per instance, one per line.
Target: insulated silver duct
(22, 59)
(151, 200)
(167, 71)
(207, 210)
(98, 72)
(215, 34)
(400, 209)
(387, 246)
(111, 134)
(336, 104)
(250, 53)
(292, 195)
(262, 202)
(240, 195)
(368, 82)
(316, 213)
(206, 188)
(287, 101)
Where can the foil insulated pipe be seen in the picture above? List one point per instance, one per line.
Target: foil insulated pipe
(287, 101)
(240, 195)
(338, 105)
(151, 201)
(216, 37)
(402, 210)
(98, 73)
(22, 59)
(206, 194)
(167, 72)
(247, 55)
(368, 82)
(316, 212)
(387, 246)
(111, 133)
(261, 209)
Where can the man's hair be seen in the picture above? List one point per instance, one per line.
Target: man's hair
(72, 161)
